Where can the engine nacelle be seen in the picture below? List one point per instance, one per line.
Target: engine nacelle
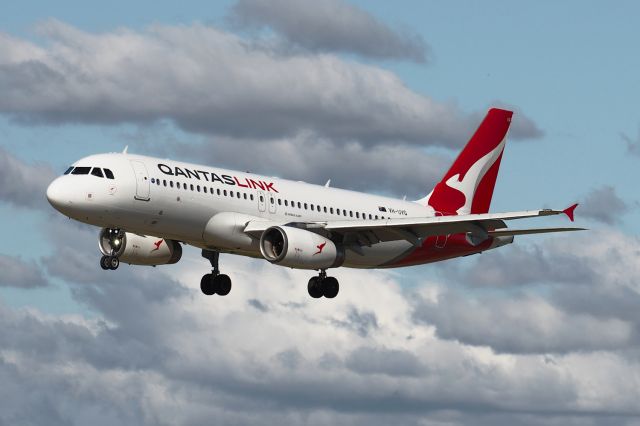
(298, 248)
(139, 250)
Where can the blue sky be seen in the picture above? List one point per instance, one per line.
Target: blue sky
(570, 70)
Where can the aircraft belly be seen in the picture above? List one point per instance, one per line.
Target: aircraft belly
(377, 254)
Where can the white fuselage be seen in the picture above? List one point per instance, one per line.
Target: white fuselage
(208, 207)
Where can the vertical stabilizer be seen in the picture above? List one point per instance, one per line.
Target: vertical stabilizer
(468, 185)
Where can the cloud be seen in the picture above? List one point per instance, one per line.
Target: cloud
(22, 184)
(157, 351)
(19, 273)
(330, 26)
(604, 205)
(217, 83)
(526, 325)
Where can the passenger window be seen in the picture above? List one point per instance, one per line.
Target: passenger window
(331, 210)
(271, 200)
(351, 214)
(279, 202)
(245, 195)
(171, 183)
(311, 207)
(198, 188)
(81, 171)
(204, 188)
(108, 174)
(231, 194)
(358, 215)
(238, 194)
(261, 199)
(225, 192)
(97, 172)
(164, 182)
(218, 191)
(68, 170)
(286, 203)
(192, 188)
(251, 196)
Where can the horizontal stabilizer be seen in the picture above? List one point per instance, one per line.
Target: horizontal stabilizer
(512, 232)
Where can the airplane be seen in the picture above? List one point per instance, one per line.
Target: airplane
(147, 207)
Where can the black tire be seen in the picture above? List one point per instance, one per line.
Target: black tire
(207, 285)
(330, 287)
(103, 263)
(315, 287)
(223, 284)
(113, 263)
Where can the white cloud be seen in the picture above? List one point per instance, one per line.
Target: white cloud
(330, 26)
(214, 82)
(23, 184)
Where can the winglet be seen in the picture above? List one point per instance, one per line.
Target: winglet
(569, 211)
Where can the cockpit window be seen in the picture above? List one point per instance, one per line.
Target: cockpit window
(81, 171)
(108, 174)
(96, 171)
(68, 170)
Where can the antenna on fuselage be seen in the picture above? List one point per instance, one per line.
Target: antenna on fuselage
(126, 148)
(328, 183)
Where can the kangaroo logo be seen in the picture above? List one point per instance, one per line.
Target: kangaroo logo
(157, 244)
(320, 248)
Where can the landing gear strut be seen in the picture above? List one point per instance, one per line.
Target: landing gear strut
(322, 285)
(111, 261)
(215, 282)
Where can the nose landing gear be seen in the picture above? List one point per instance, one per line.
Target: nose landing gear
(215, 282)
(322, 285)
(111, 260)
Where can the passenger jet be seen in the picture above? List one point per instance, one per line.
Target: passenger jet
(147, 207)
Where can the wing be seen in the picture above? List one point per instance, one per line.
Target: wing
(416, 230)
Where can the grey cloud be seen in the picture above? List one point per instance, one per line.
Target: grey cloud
(604, 205)
(516, 266)
(19, 273)
(23, 184)
(522, 325)
(218, 84)
(330, 26)
(391, 362)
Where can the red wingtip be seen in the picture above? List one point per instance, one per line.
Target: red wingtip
(569, 211)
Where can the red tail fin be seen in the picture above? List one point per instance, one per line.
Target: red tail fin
(468, 185)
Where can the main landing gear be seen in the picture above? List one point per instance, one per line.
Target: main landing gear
(215, 282)
(322, 285)
(111, 261)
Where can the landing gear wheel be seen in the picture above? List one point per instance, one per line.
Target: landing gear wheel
(103, 263)
(223, 284)
(214, 282)
(207, 285)
(113, 262)
(315, 287)
(330, 287)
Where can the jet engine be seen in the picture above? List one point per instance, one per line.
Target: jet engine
(299, 248)
(139, 249)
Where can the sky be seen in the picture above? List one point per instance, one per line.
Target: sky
(378, 97)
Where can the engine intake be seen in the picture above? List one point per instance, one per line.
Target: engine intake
(299, 248)
(139, 249)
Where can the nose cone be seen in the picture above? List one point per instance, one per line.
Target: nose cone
(56, 195)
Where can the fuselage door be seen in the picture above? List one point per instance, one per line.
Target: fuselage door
(261, 201)
(142, 180)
